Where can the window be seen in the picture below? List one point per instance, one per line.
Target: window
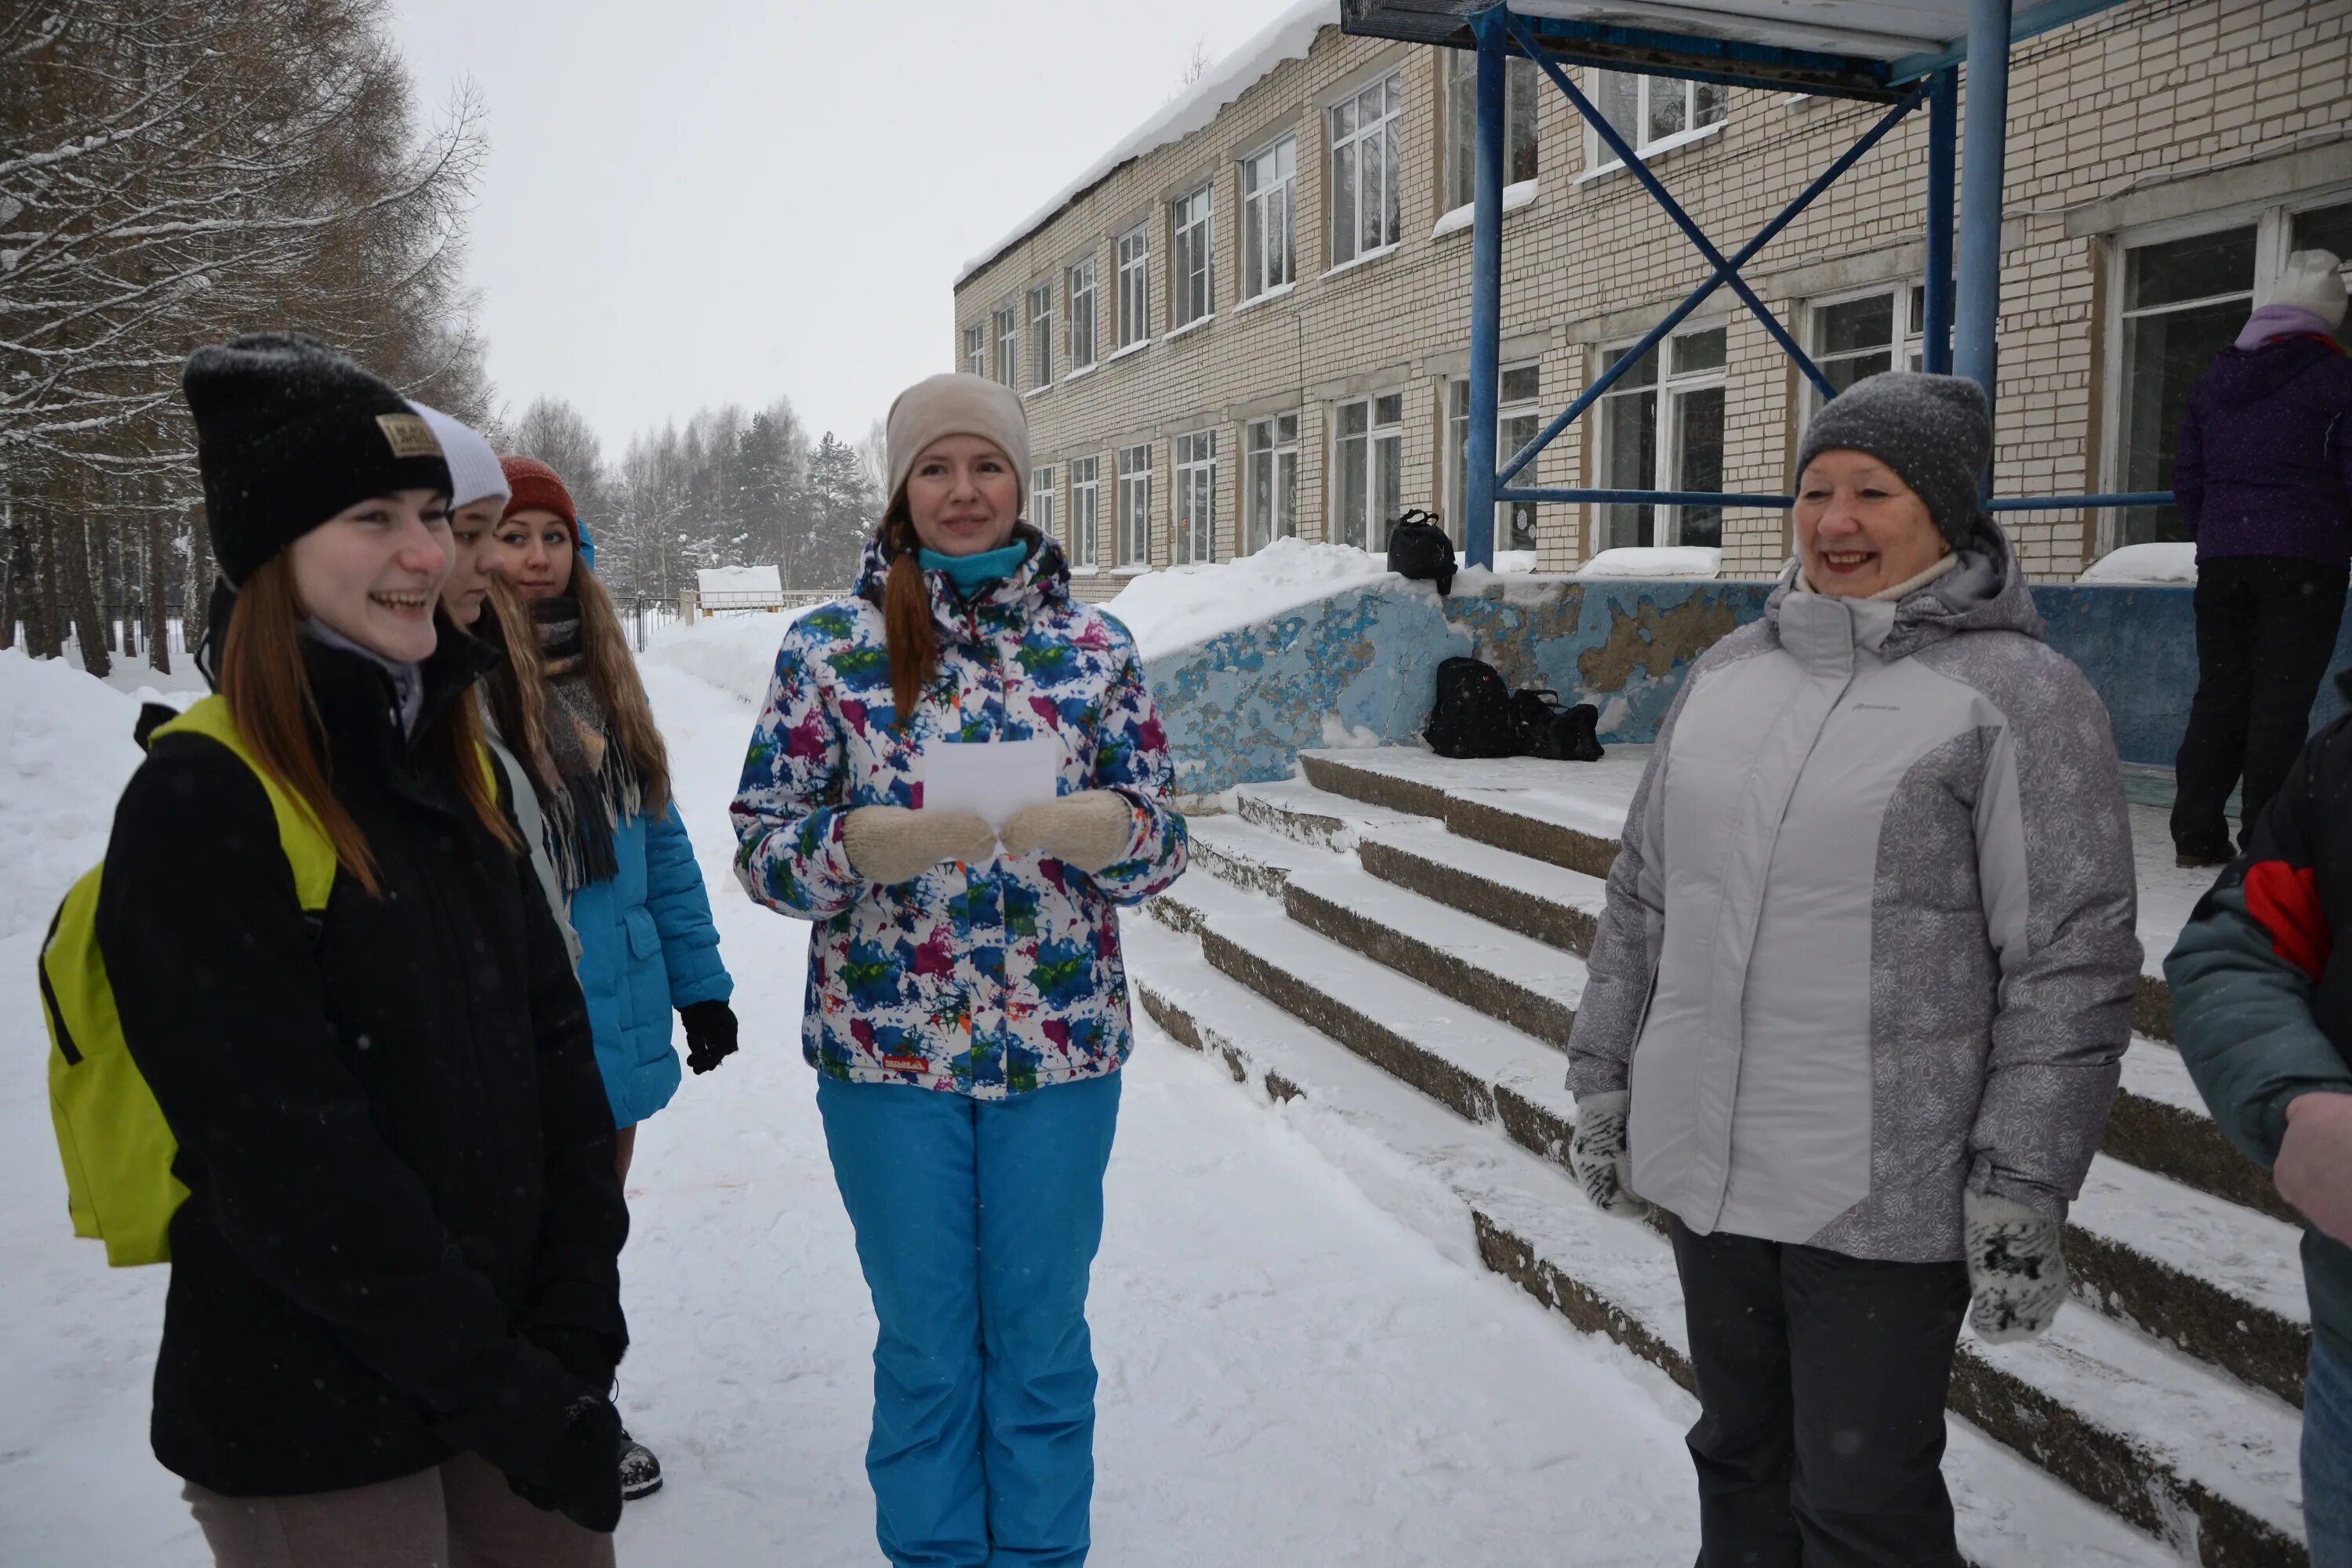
(1517, 422)
(975, 348)
(1664, 433)
(1364, 207)
(1134, 285)
(1196, 497)
(1008, 345)
(1041, 500)
(1273, 479)
(1041, 335)
(1191, 279)
(1086, 512)
(2323, 228)
(1866, 335)
(1648, 111)
(1134, 506)
(1520, 85)
(1371, 470)
(1080, 281)
(2184, 300)
(1269, 191)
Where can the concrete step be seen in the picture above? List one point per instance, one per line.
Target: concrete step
(1475, 1193)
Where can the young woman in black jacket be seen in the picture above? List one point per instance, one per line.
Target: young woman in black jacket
(395, 1303)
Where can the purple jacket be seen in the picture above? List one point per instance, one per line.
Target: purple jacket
(2264, 461)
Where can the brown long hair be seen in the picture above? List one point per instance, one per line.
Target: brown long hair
(908, 636)
(612, 677)
(267, 687)
(516, 691)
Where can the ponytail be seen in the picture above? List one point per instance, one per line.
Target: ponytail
(912, 642)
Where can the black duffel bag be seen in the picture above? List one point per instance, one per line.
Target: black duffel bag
(1419, 549)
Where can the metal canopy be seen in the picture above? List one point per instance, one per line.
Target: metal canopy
(1855, 49)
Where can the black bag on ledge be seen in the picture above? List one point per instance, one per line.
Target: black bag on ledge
(1552, 732)
(1419, 549)
(1472, 715)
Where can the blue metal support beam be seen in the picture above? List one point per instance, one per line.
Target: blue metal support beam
(1479, 480)
(1723, 270)
(1943, 160)
(1644, 498)
(1983, 165)
(2071, 503)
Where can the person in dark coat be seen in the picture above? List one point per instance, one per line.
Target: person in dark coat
(2263, 472)
(394, 1300)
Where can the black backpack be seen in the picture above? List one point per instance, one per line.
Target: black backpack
(1555, 733)
(1472, 717)
(1419, 549)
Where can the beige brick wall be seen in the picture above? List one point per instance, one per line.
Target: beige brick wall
(2161, 111)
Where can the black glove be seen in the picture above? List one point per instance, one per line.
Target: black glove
(583, 1352)
(580, 1476)
(710, 1034)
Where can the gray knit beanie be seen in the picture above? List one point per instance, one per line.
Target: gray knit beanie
(956, 404)
(1934, 430)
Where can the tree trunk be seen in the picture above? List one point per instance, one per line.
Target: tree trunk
(201, 572)
(12, 570)
(48, 640)
(110, 579)
(72, 536)
(159, 579)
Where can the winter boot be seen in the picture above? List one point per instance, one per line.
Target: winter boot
(640, 1471)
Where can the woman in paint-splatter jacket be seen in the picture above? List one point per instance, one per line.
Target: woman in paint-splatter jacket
(967, 1008)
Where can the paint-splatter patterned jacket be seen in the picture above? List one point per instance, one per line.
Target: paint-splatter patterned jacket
(986, 981)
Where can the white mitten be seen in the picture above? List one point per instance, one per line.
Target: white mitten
(1091, 829)
(2016, 1271)
(889, 844)
(1598, 1157)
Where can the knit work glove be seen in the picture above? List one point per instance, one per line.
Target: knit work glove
(1598, 1157)
(581, 1478)
(2016, 1271)
(710, 1034)
(1091, 829)
(889, 844)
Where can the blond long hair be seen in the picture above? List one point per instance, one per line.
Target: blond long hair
(612, 673)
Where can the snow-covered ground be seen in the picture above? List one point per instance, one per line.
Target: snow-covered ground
(1290, 1373)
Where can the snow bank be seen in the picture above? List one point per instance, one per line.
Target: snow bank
(1189, 605)
(711, 580)
(1286, 38)
(1514, 560)
(66, 751)
(2167, 562)
(1656, 561)
(736, 653)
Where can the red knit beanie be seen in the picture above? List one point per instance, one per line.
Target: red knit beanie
(537, 485)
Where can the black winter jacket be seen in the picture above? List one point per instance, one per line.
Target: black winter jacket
(396, 1144)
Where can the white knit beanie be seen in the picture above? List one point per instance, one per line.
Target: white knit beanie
(2314, 280)
(474, 471)
(955, 404)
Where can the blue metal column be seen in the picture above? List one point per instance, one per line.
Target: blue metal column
(1982, 171)
(1486, 297)
(1942, 158)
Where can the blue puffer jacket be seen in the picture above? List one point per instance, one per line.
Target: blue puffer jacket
(648, 947)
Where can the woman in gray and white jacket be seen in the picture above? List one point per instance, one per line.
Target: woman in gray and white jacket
(1861, 989)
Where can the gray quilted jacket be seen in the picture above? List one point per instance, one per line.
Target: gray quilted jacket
(1869, 942)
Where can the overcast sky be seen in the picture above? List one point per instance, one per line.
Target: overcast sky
(696, 202)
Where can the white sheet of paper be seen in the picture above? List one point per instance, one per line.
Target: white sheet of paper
(993, 779)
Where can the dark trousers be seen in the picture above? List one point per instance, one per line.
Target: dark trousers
(1821, 1378)
(2265, 632)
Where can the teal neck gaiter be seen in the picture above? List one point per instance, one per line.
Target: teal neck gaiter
(971, 572)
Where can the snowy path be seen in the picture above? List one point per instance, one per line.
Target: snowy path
(1290, 1374)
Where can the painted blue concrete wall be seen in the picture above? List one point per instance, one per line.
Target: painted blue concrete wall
(1240, 707)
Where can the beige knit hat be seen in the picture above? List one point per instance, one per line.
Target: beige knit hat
(957, 404)
(2315, 281)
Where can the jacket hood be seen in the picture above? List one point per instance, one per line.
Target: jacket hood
(1042, 578)
(1986, 592)
(2246, 375)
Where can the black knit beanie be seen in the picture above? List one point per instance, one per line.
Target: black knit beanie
(1934, 430)
(288, 432)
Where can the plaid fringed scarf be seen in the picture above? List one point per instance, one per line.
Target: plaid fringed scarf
(600, 788)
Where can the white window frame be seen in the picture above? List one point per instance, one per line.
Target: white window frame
(1671, 388)
(1078, 281)
(1133, 249)
(1381, 453)
(1086, 513)
(1043, 498)
(975, 348)
(1041, 336)
(1385, 137)
(1196, 497)
(1907, 351)
(1509, 410)
(1598, 157)
(1134, 506)
(1277, 456)
(1522, 95)
(1006, 320)
(1269, 193)
(2273, 224)
(1193, 258)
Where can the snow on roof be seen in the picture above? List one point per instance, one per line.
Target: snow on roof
(1286, 38)
(739, 580)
